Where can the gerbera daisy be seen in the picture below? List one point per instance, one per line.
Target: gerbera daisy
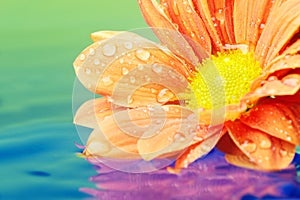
(242, 56)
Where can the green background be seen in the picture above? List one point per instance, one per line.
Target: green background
(39, 41)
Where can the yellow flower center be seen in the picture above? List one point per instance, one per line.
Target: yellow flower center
(223, 79)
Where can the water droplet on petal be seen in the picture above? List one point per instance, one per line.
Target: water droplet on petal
(109, 50)
(262, 26)
(291, 82)
(96, 61)
(265, 144)
(124, 71)
(288, 138)
(164, 95)
(157, 68)
(87, 71)
(92, 51)
(82, 57)
(128, 45)
(140, 67)
(220, 15)
(107, 81)
(121, 61)
(132, 79)
(249, 146)
(179, 137)
(143, 54)
(282, 152)
(129, 99)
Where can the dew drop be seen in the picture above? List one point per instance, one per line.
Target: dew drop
(282, 152)
(128, 45)
(121, 61)
(109, 50)
(143, 54)
(220, 15)
(262, 26)
(124, 71)
(129, 99)
(96, 61)
(157, 68)
(107, 81)
(291, 82)
(265, 144)
(249, 146)
(272, 78)
(98, 71)
(179, 137)
(92, 51)
(132, 79)
(82, 57)
(87, 71)
(164, 95)
(288, 138)
(140, 67)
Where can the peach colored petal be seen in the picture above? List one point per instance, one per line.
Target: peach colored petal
(293, 49)
(264, 151)
(240, 18)
(288, 85)
(166, 31)
(276, 119)
(182, 13)
(178, 130)
(202, 7)
(98, 146)
(283, 23)
(86, 114)
(199, 149)
(101, 66)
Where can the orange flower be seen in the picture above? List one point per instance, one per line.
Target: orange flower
(240, 60)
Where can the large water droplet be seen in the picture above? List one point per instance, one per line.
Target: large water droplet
(109, 50)
(265, 144)
(164, 95)
(249, 146)
(143, 54)
(291, 82)
(87, 71)
(132, 79)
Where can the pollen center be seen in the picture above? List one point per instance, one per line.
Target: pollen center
(223, 79)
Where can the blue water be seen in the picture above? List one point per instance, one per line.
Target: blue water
(38, 161)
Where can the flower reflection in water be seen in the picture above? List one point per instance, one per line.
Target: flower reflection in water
(208, 178)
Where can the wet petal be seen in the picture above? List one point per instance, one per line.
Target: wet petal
(178, 130)
(275, 119)
(208, 17)
(182, 12)
(264, 151)
(101, 66)
(288, 85)
(282, 24)
(199, 149)
(166, 31)
(86, 114)
(226, 145)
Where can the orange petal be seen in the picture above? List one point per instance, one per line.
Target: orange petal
(288, 85)
(275, 119)
(203, 9)
(182, 12)
(199, 149)
(264, 151)
(283, 23)
(103, 65)
(166, 31)
(226, 145)
(178, 130)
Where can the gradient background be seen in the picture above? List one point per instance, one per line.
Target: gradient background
(38, 42)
